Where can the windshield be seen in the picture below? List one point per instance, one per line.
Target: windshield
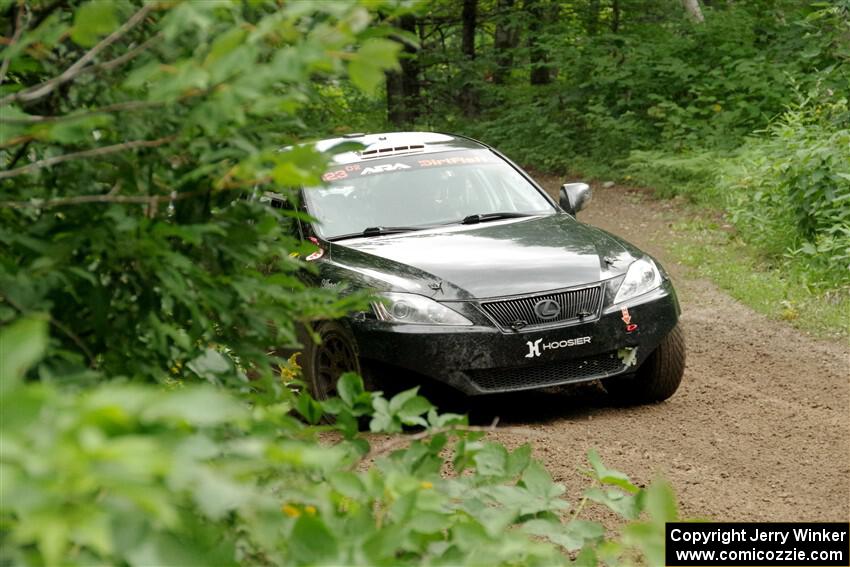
(420, 191)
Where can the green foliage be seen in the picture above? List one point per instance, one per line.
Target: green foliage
(21, 345)
(787, 191)
(374, 57)
(656, 80)
(692, 174)
(192, 475)
(121, 214)
(790, 192)
(92, 21)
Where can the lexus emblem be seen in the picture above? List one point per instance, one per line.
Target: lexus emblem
(547, 309)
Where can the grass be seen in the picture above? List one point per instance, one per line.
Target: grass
(775, 291)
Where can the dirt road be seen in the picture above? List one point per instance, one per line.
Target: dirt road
(760, 428)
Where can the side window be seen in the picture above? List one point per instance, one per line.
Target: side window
(279, 201)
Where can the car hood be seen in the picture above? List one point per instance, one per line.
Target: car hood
(489, 260)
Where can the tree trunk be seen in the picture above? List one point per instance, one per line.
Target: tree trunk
(540, 74)
(693, 10)
(403, 97)
(468, 96)
(468, 17)
(504, 41)
(592, 18)
(615, 16)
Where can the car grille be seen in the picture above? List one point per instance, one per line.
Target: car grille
(551, 374)
(576, 304)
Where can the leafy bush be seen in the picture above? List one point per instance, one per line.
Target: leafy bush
(787, 191)
(120, 213)
(192, 475)
(690, 174)
(790, 192)
(654, 82)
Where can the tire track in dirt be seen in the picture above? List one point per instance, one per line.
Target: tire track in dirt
(759, 429)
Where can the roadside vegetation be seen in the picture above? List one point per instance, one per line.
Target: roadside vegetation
(144, 420)
(786, 195)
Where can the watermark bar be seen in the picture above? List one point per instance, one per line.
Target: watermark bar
(813, 544)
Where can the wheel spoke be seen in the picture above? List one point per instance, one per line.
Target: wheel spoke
(333, 357)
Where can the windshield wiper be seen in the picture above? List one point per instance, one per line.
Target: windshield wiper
(471, 219)
(474, 219)
(378, 231)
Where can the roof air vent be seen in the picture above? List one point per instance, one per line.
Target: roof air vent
(391, 150)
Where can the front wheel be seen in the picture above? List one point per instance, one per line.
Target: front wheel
(324, 362)
(658, 377)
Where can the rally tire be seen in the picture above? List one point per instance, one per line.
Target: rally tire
(324, 362)
(658, 377)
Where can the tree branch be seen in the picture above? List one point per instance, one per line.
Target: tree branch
(15, 141)
(111, 197)
(118, 61)
(19, 154)
(117, 107)
(19, 29)
(85, 154)
(79, 66)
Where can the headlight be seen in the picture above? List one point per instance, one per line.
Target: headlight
(642, 276)
(415, 309)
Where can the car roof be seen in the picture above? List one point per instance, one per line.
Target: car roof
(390, 144)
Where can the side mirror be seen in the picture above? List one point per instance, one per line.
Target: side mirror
(574, 197)
(281, 201)
(275, 200)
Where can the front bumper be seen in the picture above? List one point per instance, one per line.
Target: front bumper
(482, 359)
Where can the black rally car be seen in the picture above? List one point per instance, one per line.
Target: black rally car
(485, 282)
